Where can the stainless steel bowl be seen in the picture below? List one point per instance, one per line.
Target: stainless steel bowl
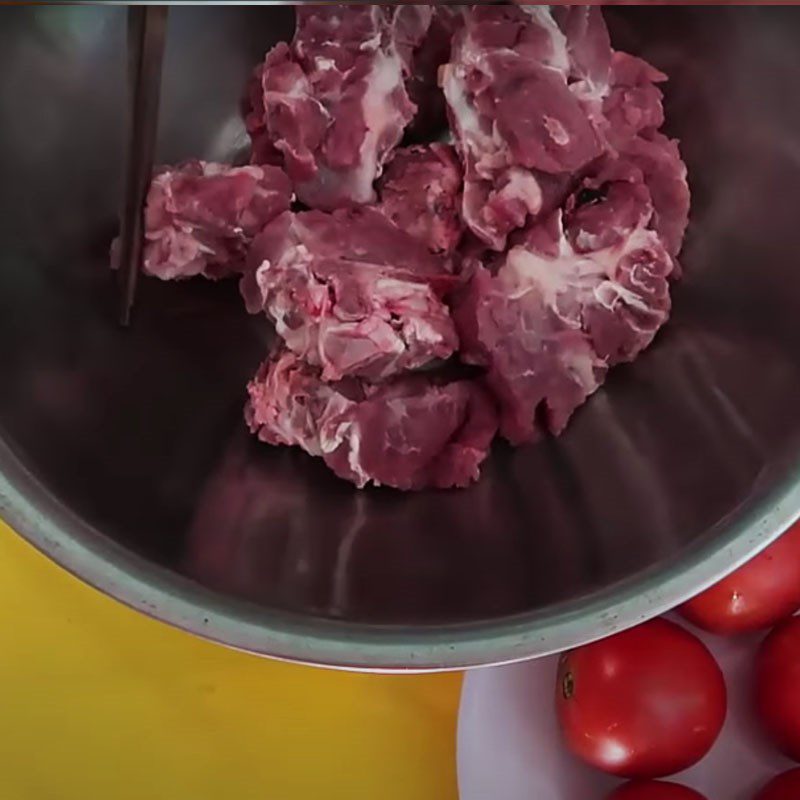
(123, 454)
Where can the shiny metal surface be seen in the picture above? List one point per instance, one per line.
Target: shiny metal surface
(123, 452)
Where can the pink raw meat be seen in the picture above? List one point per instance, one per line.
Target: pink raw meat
(411, 433)
(520, 129)
(333, 104)
(585, 287)
(420, 191)
(577, 293)
(633, 104)
(536, 106)
(665, 175)
(201, 218)
(588, 48)
(621, 95)
(351, 293)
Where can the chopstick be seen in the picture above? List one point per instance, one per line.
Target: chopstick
(147, 27)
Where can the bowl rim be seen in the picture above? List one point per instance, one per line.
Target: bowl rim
(57, 532)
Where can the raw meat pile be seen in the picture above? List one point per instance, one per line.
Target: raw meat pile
(430, 294)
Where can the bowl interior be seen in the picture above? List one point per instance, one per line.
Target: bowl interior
(139, 432)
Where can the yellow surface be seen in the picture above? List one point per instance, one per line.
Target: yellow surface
(98, 702)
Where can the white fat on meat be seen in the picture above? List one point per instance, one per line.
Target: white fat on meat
(381, 117)
(522, 185)
(582, 277)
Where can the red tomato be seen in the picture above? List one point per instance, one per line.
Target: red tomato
(645, 703)
(654, 790)
(784, 787)
(759, 594)
(777, 686)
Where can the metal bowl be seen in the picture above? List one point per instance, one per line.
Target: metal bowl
(124, 457)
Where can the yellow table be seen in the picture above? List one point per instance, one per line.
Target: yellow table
(99, 702)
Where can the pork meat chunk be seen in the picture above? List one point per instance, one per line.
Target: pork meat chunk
(333, 104)
(576, 294)
(664, 173)
(410, 433)
(200, 218)
(420, 191)
(521, 131)
(351, 293)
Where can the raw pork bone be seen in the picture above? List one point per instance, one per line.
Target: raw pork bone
(632, 113)
(332, 106)
(664, 173)
(200, 218)
(409, 433)
(583, 101)
(621, 96)
(577, 293)
(420, 191)
(521, 131)
(351, 293)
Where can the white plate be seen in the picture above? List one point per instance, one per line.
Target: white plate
(509, 746)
